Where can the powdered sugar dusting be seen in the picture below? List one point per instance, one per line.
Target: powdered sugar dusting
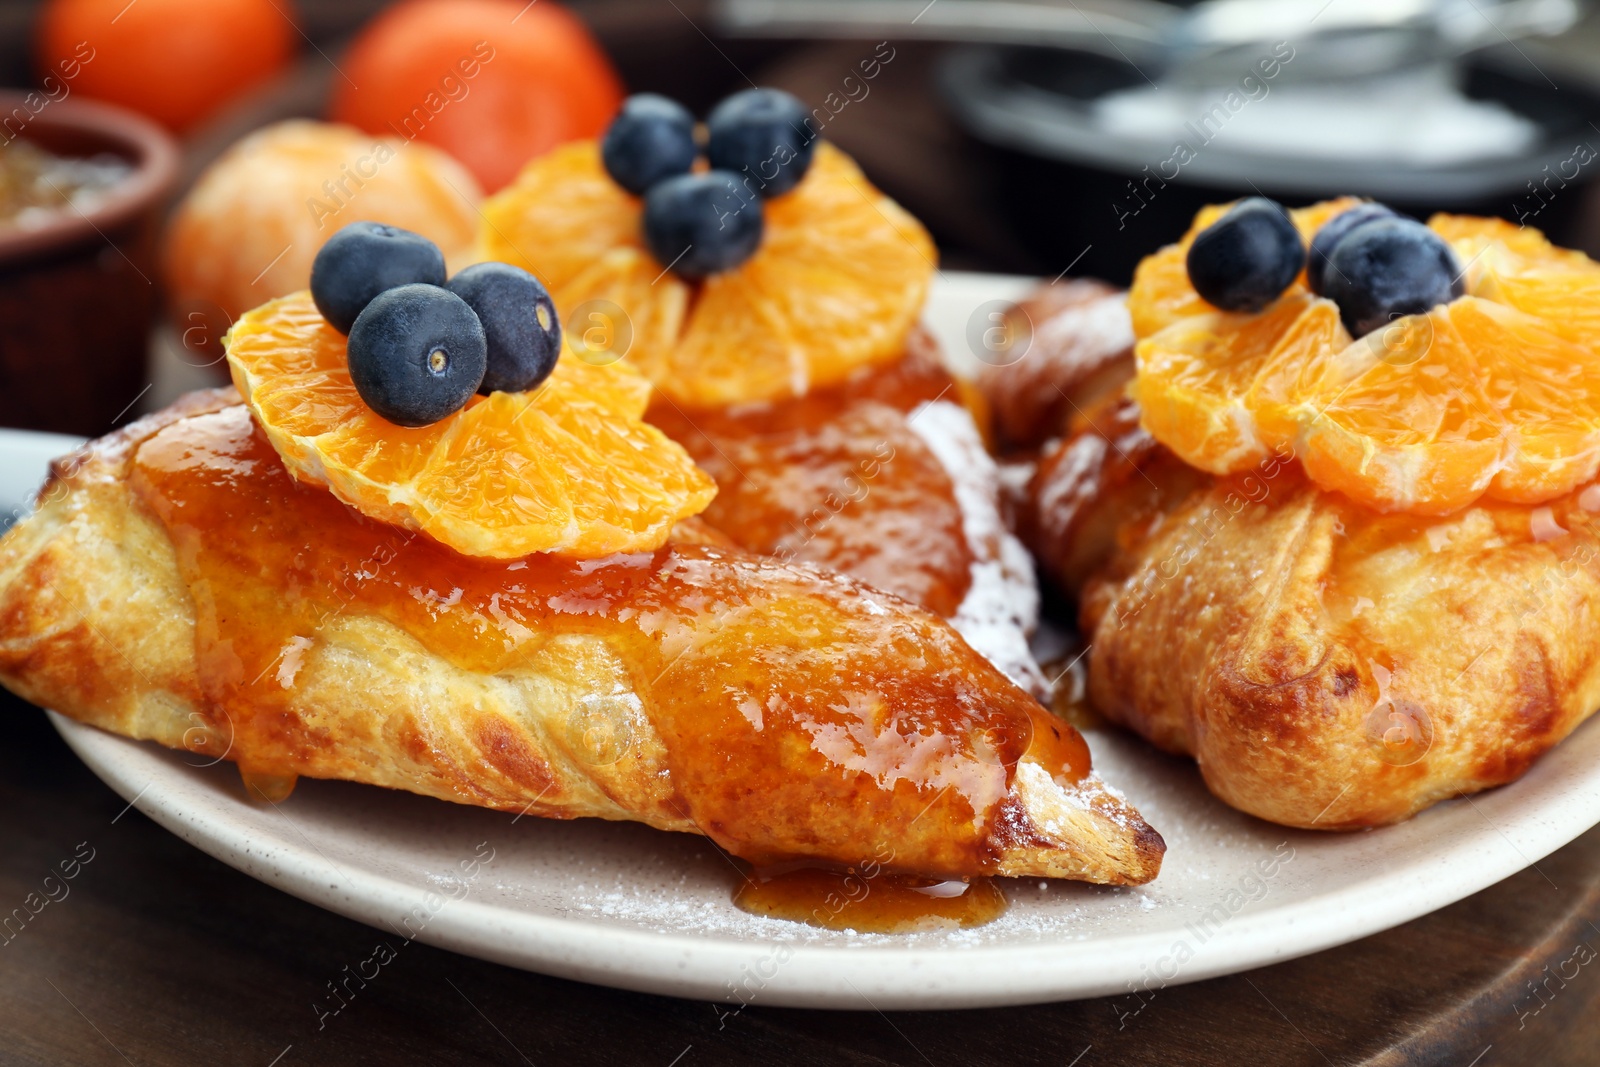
(1092, 328)
(1090, 794)
(1001, 607)
(1061, 492)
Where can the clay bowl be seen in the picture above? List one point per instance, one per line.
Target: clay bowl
(78, 293)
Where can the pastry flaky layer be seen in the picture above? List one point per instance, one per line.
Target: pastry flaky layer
(1326, 665)
(677, 702)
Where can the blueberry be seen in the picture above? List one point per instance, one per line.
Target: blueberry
(417, 354)
(1247, 258)
(651, 138)
(519, 322)
(1334, 231)
(1385, 268)
(364, 259)
(702, 224)
(761, 135)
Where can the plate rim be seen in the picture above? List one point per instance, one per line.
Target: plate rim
(698, 966)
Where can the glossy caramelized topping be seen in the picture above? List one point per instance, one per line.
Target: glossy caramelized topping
(567, 467)
(870, 901)
(838, 477)
(1494, 393)
(801, 716)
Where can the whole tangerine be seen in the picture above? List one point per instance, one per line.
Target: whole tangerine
(492, 82)
(254, 221)
(176, 61)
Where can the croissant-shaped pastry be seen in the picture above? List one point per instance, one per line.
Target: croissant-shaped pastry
(883, 477)
(176, 584)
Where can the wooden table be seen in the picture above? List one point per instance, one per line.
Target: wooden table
(158, 954)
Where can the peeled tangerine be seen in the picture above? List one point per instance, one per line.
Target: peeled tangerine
(837, 283)
(569, 467)
(252, 224)
(1494, 394)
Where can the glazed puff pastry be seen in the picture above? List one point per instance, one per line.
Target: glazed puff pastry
(883, 477)
(175, 584)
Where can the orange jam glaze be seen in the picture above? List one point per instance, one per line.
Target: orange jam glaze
(803, 715)
(870, 901)
(837, 477)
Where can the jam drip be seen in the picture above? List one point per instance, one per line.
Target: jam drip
(839, 477)
(869, 899)
(802, 715)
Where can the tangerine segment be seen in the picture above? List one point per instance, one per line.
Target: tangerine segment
(1546, 388)
(844, 268)
(838, 282)
(568, 467)
(598, 328)
(1161, 293)
(1302, 363)
(1313, 217)
(738, 347)
(561, 214)
(616, 388)
(1517, 267)
(1470, 234)
(1194, 376)
(1411, 428)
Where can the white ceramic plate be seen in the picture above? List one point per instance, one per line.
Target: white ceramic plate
(627, 906)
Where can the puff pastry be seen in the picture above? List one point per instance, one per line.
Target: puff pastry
(883, 477)
(1327, 666)
(1075, 340)
(172, 586)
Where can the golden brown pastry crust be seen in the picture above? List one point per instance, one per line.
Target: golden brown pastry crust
(1079, 349)
(1089, 487)
(1330, 667)
(96, 622)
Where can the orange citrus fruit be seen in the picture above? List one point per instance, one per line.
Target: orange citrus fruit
(569, 467)
(838, 282)
(1548, 390)
(1412, 427)
(1196, 379)
(176, 61)
(252, 224)
(1496, 393)
(493, 82)
(1518, 267)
